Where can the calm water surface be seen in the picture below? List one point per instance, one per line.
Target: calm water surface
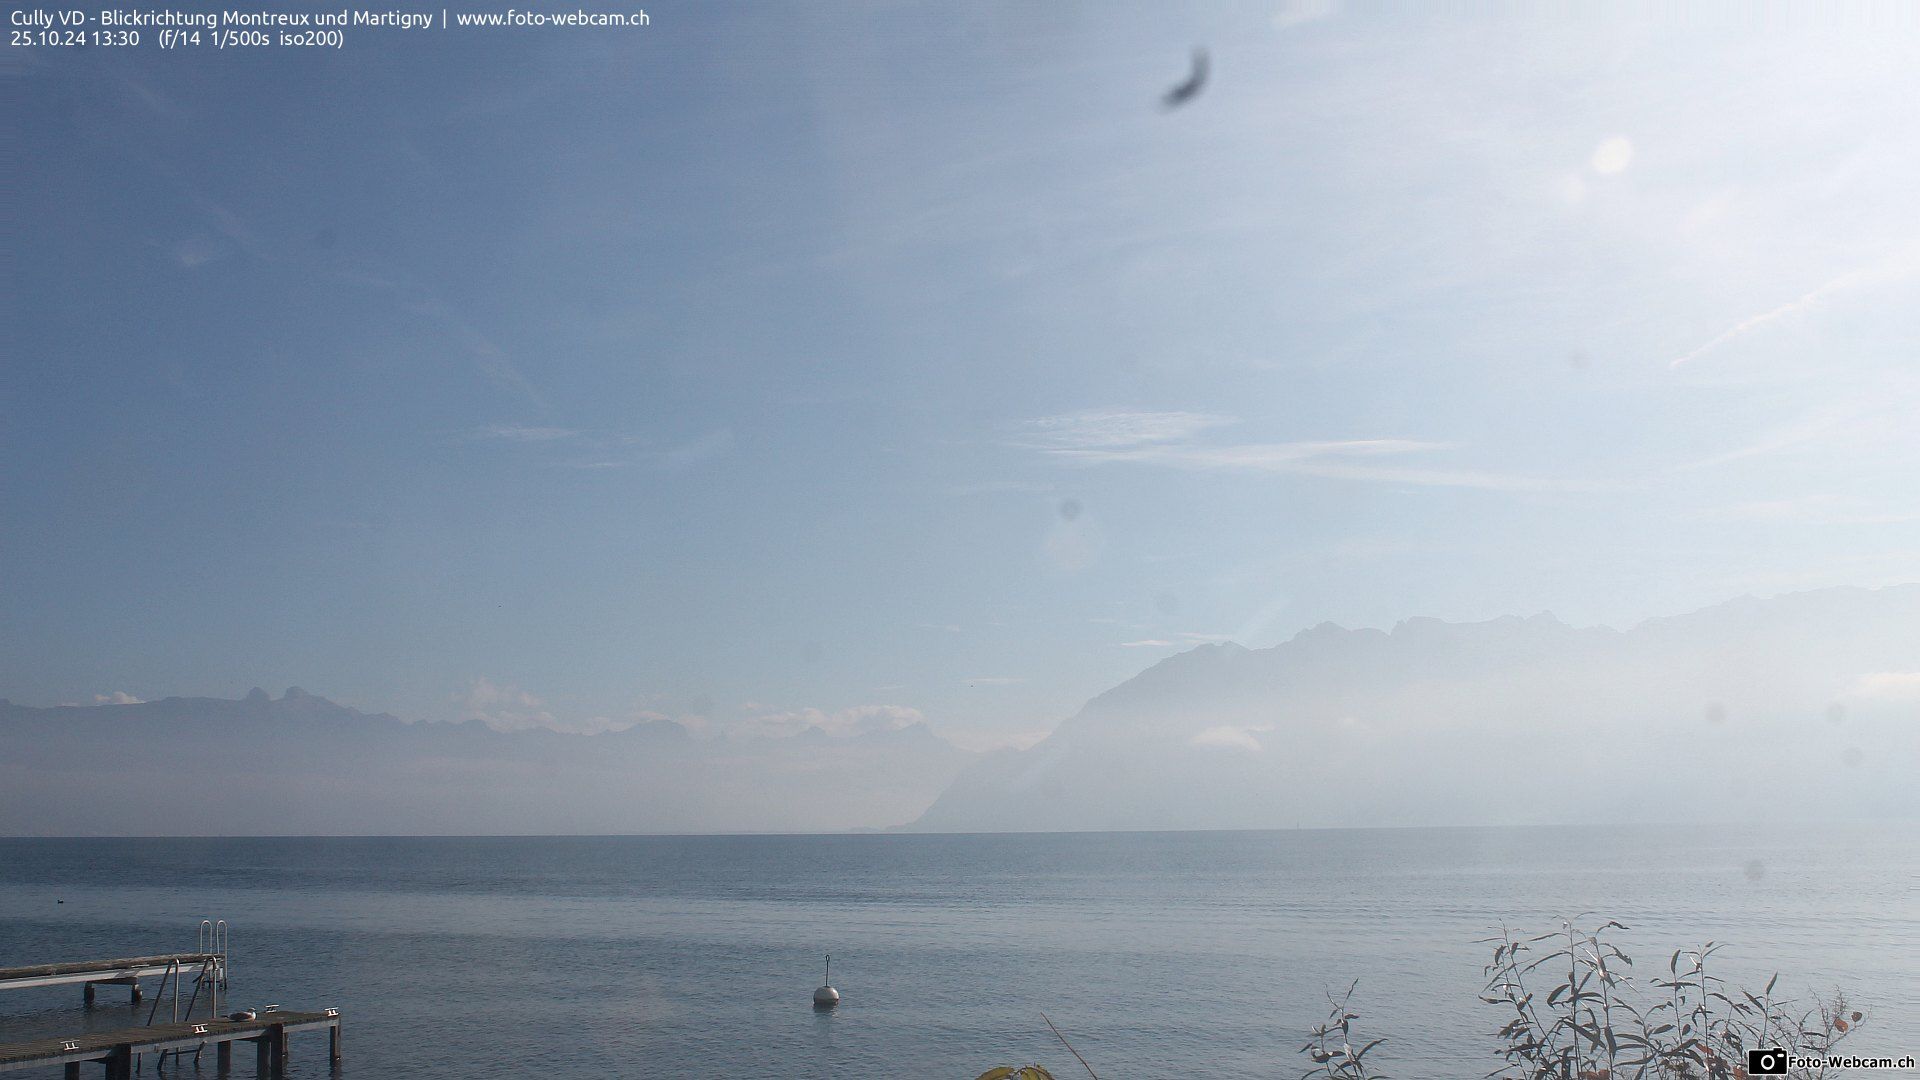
(1160, 954)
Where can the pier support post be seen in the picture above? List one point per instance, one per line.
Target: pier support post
(87, 994)
(273, 1052)
(73, 1070)
(223, 1058)
(134, 989)
(333, 1044)
(263, 1055)
(120, 1063)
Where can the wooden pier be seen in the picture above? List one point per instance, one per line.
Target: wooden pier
(121, 1052)
(125, 972)
(117, 1051)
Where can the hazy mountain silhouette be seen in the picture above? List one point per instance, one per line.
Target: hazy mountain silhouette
(1806, 705)
(302, 764)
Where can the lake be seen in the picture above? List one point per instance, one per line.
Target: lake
(1159, 954)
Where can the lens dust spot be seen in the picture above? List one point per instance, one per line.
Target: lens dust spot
(1836, 713)
(1754, 870)
(1716, 713)
(1853, 757)
(1613, 155)
(1070, 509)
(198, 251)
(1166, 603)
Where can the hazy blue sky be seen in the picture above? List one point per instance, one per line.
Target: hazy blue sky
(818, 357)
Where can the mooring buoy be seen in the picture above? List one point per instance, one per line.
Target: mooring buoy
(827, 997)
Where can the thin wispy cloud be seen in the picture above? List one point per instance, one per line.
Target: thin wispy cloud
(1268, 457)
(765, 721)
(505, 707)
(1446, 478)
(1805, 430)
(1168, 439)
(1001, 487)
(1232, 737)
(522, 433)
(590, 450)
(1868, 423)
(489, 359)
(1183, 640)
(1897, 266)
(1888, 686)
(1797, 306)
(1117, 429)
(1292, 13)
(696, 451)
(629, 452)
(1810, 510)
(159, 104)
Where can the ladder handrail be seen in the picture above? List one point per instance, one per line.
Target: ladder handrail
(212, 940)
(172, 972)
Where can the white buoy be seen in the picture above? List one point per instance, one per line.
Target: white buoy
(827, 997)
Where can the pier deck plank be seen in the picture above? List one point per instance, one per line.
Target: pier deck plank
(83, 971)
(100, 1045)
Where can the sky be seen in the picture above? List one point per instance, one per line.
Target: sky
(783, 364)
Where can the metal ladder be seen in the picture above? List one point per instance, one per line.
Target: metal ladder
(212, 940)
(211, 944)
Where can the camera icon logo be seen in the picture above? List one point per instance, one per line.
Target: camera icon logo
(1771, 1061)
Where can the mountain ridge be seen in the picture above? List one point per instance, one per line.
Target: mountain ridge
(1248, 726)
(302, 764)
(1791, 705)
